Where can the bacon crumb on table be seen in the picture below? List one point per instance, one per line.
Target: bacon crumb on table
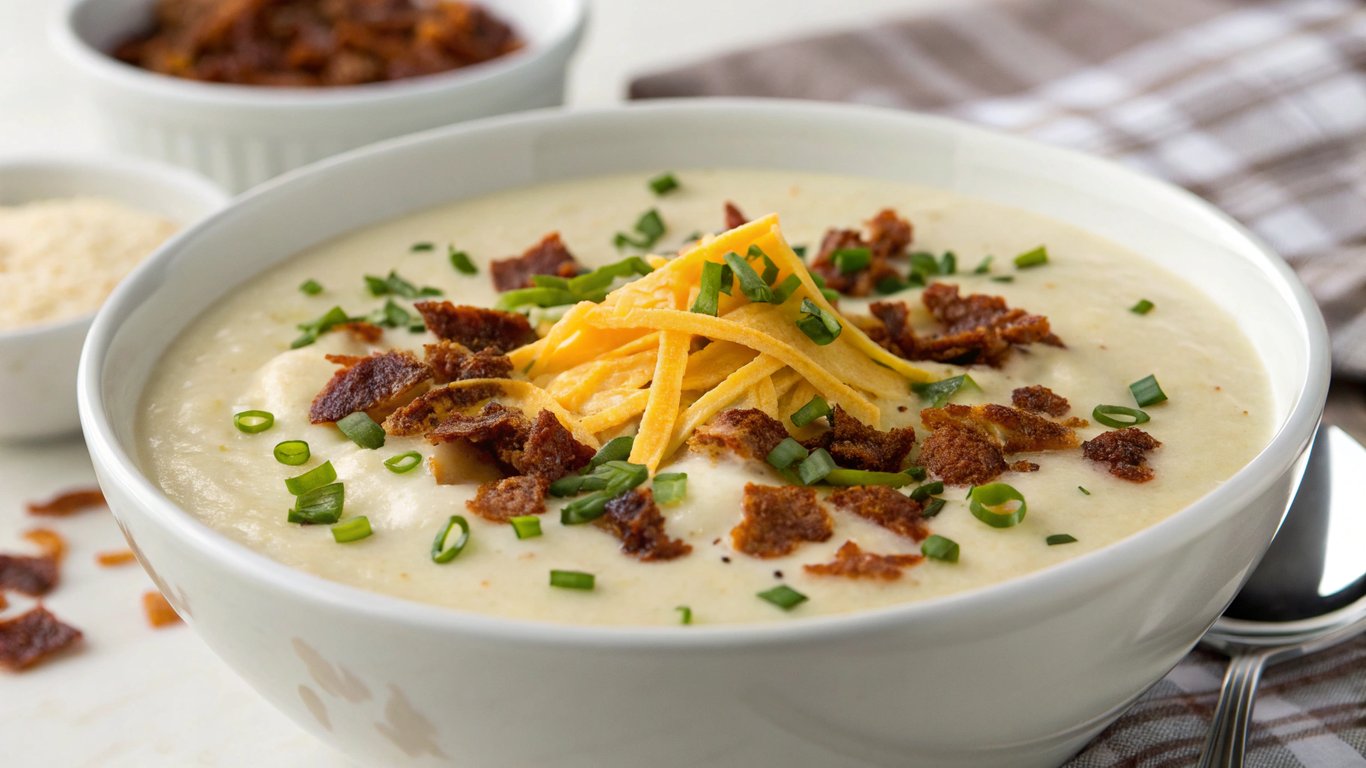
(779, 518)
(1123, 452)
(34, 576)
(33, 636)
(158, 611)
(476, 328)
(547, 257)
(49, 541)
(115, 558)
(635, 519)
(381, 381)
(510, 497)
(1039, 399)
(852, 562)
(885, 506)
(747, 432)
(68, 503)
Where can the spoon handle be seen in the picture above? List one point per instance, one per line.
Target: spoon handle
(1228, 734)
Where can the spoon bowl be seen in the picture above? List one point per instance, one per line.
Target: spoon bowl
(1307, 594)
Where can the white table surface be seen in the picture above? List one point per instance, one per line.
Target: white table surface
(135, 696)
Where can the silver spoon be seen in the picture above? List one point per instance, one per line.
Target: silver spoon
(1308, 593)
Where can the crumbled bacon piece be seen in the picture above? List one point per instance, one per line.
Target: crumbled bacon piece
(748, 432)
(31, 637)
(31, 575)
(435, 406)
(475, 327)
(68, 502)
(550, 450)
(378, 383)
(1124, 451)
(1024, 466)
(1017, 431)
(49, 541)
(888, 236)
(158, 610)
(1039, 399)
(634, 518)
(734, 217)
(855, 445)
(548, 257)
(501, 430)
(510, 497)
(885, 506)
(961, 456)
(977, 328)
(852, 562)
(115, 558)
(362, 330)
(450, 361)
(778, 518)
(4, 603)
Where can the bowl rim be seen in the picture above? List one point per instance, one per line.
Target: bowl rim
(1060, 581)
(141, 170)
(74, 47)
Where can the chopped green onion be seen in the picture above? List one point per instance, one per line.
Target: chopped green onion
(321, 505)
(850, 260)
(916, 472)
(391, 315)
(815, 408)
(727, 279)
(526, 526)
(403, 462)
(538, 297)
(550, 281)
(1143, 307)
(923, 265)
(927, 490)
(663, 184)
(461, 261)
(362, 430)
(784, 290)
(316, 477)
(1035, 258)
(684, 614)
(983, 499)
(1106, 414)
(422, 246)
(252, 422)
(770, 269)
(933, 508)
(292, 452)
(572, 485)
(848, 477)
(649, 227)
(1060, 538)
(948, 263)
(397, 286)
(616, 449)
(572, 580)
(816, 467)
(670, 487)
(937, 393)
(417, 327)
(709, 289)
(329, 320)
(355, 529)
(1147, 391)
(818, 325)
(891, 284)
(310, 287)
(800, 250)
(1083, 490)
(754, 288)
(1003, 279)
(937, 547)
(442, 554)
(831, 295)
(614, 478)
(600, 280)
(787, 453)
(983, 266)
(784, 597)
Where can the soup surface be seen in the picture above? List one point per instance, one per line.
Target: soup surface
(237, 356)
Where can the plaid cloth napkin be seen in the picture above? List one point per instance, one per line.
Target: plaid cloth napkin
(1259, 107)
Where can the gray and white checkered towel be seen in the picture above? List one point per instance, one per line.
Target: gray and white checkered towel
(1259, 107)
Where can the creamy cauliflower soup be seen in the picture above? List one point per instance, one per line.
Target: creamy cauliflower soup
(708, 397)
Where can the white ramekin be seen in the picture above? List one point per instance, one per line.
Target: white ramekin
(242, 135)
(38, 364)
(1019, 674)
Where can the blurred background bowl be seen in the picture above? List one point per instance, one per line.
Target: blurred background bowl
(38, 363)
(241, 135)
